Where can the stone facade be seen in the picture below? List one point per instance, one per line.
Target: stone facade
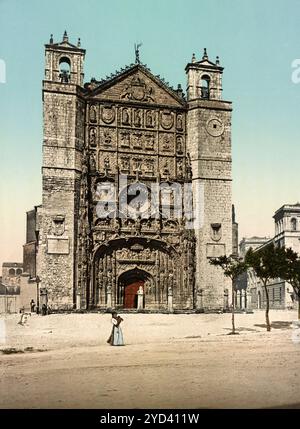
(133, 132)
(287, 233)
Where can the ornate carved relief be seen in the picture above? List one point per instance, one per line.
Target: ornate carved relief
(93, 113)
(150, 119)
(108, 114)
(138, 118)
(108, 138)
(93, 137)
(216, 231)
(166, 119)
(149, 167)
(138, 90)
(58, 225)
(149, 141)
(180, 168)
(125, 139)
(125, 165)
(126, 116)
(179, 122)
(179, 145)
(166, 142)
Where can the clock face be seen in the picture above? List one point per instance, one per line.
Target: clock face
(215, 127)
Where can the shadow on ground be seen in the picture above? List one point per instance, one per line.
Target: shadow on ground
(243, 329)
(277, 325)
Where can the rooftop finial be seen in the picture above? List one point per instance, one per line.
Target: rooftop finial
(78, 43)
(205, 56)
(217, 61)
(193, 58)
(51, 39)
(65, 38)
(137, 52)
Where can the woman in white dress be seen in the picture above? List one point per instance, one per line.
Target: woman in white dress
(116, 336)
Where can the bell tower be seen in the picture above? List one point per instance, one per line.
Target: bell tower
(209, 146)
(63, 113)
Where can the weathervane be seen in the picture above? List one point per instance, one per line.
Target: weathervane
(137, 52)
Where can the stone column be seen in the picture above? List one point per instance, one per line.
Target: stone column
(170, 300)
(226, 299)
(243, 294)
(238, 299)
(249, 303)
(78, 301)
(140, 298)
(108, 298)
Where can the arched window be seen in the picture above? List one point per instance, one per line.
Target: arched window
(294, 224)
(19, 271)
(64, 69)
(12, 272)
(205, 83)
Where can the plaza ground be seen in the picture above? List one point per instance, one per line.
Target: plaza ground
(169, 361)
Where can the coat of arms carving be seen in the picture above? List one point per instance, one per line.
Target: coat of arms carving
(216, 231)
(166, 119)
(58, 225)
(108, 114)
(138, 90)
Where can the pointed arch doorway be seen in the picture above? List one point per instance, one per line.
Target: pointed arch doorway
(128, 286)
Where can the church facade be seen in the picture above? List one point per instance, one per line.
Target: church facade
(136, 186)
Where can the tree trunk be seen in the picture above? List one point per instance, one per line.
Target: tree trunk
(267, 308)
(299, 305)
(233, 306)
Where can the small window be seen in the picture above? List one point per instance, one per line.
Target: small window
(19, 271)
(205, 86)
(294, 224)
(64, 69)
(12, 272)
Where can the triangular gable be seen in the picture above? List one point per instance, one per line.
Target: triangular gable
(137, 84)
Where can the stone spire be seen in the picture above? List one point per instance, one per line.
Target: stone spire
(205, 56)
(65, 38)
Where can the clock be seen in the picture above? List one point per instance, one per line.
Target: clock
(215, 127)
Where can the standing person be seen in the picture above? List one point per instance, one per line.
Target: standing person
(32, 305)
(44, 310)
(116, 336)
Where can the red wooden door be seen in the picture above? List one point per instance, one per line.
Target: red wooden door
(130, 298)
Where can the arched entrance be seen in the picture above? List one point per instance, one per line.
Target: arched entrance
(128, 286)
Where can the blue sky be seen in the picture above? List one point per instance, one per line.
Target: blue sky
(256, 41)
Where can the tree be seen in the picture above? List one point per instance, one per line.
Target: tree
(232, 268)
(267, 263)
(291, 272)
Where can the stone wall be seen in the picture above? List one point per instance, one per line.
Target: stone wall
(210, 151)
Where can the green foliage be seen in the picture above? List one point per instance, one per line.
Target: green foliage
(231, 266)
(290, 271)
(268, 262)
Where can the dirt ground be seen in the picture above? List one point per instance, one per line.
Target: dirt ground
(169, 361)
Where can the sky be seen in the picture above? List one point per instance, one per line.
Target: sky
(257, 42)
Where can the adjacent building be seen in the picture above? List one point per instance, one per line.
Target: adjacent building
(287, 233)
